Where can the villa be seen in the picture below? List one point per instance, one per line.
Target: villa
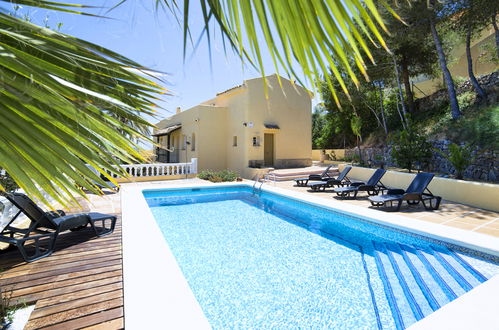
(246, 126)
(250, 210)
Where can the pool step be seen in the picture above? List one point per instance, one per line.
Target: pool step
(419, 281)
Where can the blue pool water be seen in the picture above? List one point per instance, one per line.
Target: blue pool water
(267, 261)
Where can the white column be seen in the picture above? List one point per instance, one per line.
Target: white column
(194, 166)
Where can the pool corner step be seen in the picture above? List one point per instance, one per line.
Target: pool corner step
(419, 281)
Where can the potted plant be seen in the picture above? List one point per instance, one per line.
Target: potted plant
(6, 310)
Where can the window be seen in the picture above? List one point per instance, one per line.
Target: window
(256, 141)
(234, 141)
(193, 142)
(184, 142)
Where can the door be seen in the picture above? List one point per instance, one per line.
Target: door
(268, 149)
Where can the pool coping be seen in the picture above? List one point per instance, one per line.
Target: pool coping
(156, 292)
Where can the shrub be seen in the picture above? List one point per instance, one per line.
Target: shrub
(353, 158)
(478, 127)
(6, 181)
(466, 99)
(409, 148)
(459, 157)
(205, 174)
(218, 176)
(6, 309)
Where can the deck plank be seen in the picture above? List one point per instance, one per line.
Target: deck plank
(79, 286)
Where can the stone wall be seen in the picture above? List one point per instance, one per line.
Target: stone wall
(484, 167)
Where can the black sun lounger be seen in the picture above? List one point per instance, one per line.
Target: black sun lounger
(110, 185)
(46, 226)
(340, 180)
(414, 194)
(324, 176)
(372, 187)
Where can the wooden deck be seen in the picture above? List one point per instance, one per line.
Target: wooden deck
(80, 286)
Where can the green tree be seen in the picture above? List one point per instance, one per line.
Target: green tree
(363, 103)
(63, 99)
(318, 123)
(356, 125)
(472, 19)
(410, 148)
(436, 13)
(493, 7)
(411, 44)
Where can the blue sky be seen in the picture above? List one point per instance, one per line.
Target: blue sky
(155, 39)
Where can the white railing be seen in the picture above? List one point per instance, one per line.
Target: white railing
(7, 211)
(160, 169)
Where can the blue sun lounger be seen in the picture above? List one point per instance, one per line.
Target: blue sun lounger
(45, 227)
(416, 192)
(324, 176)
(373, 186)
(340, 180)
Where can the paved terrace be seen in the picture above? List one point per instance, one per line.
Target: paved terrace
(80, 285)
(449, 214)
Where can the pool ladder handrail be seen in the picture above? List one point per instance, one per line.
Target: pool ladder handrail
(262, 178)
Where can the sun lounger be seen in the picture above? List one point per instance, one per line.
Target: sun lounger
(340, 180)
(414, 194)
(45, 227)
(324, 176)
(110, 185)
(372, 187)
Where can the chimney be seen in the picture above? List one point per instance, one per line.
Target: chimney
(179, 110)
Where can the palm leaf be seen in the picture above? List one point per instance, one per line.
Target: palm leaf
(317, 34)
(66, 103)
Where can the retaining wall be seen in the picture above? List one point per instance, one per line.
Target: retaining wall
(478, 194)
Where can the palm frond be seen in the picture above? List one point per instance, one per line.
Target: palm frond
(54, 5)
(316, 34)
(64, 103)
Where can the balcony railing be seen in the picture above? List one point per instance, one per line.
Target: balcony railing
(7, 210)
(160, 169)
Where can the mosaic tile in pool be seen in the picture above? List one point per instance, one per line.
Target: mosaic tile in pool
(268, 261)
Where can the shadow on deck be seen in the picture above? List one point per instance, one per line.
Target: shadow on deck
(79, 286)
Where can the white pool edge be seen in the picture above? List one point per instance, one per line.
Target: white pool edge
(156, 294)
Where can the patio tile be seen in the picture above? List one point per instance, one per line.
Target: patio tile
(461, 225)
(449, 214)
(433, 218)
(488, 230)
(494, 224)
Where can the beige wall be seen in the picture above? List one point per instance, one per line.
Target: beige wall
(216, 122)
(458, 65)
(483, 195)
(211, 148)
(236, 102)
(207, 123)
(290, 108)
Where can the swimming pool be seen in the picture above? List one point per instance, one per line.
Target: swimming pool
(265, 260)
